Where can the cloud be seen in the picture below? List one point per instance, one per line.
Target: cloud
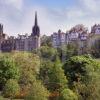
(13, 3)
(18, 17)
(91, 5)
(48, 20)
(10, 15)
(76, 13)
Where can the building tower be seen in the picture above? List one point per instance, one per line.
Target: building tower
(1, 29)
(36, 33)
(2, 36)
(36, 29)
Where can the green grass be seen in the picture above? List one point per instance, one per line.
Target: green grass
(1, 98)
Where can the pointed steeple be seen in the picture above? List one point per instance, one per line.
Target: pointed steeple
(36, 22)
(36, 29)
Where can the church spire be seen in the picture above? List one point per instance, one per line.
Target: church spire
(36, 29)
(36, 22)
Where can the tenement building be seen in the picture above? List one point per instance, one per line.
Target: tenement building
(22, 42)
(58, 39)
(94, 36)
(79, 36)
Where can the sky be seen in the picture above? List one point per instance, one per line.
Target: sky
(17, 16)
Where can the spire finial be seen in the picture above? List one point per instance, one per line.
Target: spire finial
(36, 23)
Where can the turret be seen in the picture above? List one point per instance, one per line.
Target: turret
(1, 29)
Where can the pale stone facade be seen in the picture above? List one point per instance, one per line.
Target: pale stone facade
(78, 35)
(27, 43)
(58, 39)
(94, 36)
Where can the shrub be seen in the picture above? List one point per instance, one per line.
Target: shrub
(38, 92)
(8, 70)
(11, 88)
(67, 94)
(83, 73)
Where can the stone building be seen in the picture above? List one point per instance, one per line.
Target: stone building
(58, 39)
(8, 44)
(94, 36)
(2, 35)
(78, 36)
(22, 42)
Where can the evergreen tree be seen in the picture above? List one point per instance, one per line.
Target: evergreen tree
(37, 92)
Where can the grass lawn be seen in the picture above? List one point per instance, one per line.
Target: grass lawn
(13, 99)
(1, 98)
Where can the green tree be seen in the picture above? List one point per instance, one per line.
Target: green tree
(67, 51)
(29, 65)
(95, 49)
(46, 41)
(37, 92)
(45, 69)
(56, 75)
(48, 52)
(67, 94)
(27, 61)
(8, 70)
(53, 77)
(83, 75)
(11, 89)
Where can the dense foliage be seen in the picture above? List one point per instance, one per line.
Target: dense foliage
(95, 49)
(11, 88)
(49, 74)
(8, 70)
(37, 92)
(84, 77)
(67, 94)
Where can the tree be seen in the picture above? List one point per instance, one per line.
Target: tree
(46, 41)
(67, 51)
(29, 65)
(37, 92)
(27, 61)
(83, 75)
(67, 94)
(11, 89)
(48, 52)
(45, 69)
(52, 75)
(56, 75)
(95, 49)
(8, 70)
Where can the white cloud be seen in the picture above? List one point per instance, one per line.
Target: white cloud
(91, 5)
(46, 19)
(13, 3)
(18, 18)
(76, 13)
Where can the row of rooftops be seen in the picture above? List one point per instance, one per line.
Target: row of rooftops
(19, 36)
(80, 29)
(79, 32)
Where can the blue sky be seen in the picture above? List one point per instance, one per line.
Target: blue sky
(18, 15)
(54, 3)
